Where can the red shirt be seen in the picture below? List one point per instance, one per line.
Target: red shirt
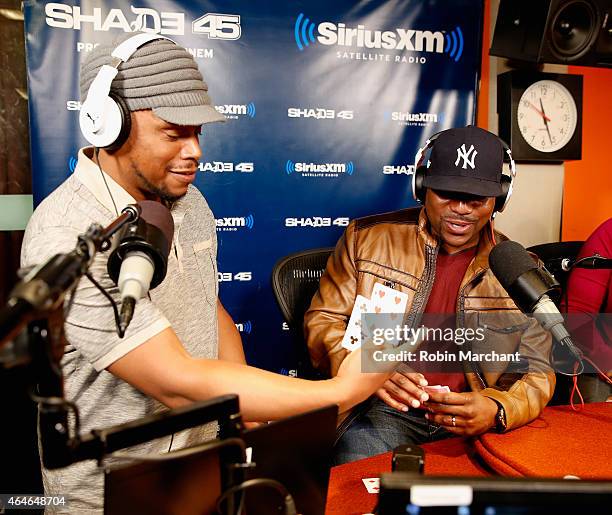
(441, 311)
(590, 292)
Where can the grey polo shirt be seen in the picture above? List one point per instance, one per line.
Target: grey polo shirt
(186, 301)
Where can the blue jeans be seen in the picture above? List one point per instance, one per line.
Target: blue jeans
(375, 428)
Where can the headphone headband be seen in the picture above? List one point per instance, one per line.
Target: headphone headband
(103, 120)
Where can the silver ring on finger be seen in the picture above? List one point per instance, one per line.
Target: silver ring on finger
(454, 421)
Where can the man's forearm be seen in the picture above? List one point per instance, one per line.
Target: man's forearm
(263, 395)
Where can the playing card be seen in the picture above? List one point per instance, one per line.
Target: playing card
(372, 484)
(352, 336)
(388, 300)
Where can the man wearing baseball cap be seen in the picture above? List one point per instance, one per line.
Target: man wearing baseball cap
(144, 102)
(434, 260)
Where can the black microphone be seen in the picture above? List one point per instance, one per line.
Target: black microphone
(139, 261)
(531, 288)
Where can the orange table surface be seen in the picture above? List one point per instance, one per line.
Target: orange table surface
(560, 442)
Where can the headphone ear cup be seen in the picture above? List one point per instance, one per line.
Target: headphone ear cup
(125, 127)
(110, 123)
(418, 191)
(502, 200)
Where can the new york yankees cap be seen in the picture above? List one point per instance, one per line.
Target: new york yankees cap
(466, 160)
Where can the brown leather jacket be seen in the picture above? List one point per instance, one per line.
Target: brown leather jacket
(398, 250)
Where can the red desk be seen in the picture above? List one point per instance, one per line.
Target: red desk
(555, 444)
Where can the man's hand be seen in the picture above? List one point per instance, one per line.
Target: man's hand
(403, 390)
(466, 414)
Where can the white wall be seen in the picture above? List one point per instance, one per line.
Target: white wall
(534, 213)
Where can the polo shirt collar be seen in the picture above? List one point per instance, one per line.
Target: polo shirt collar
(92, 177)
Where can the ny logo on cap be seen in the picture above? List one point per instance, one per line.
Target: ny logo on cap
(464, 154)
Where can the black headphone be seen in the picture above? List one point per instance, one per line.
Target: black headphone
(105, 119)
(420, 169)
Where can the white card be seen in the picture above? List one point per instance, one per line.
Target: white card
(388, 300)
(372, 484)
(352, 336)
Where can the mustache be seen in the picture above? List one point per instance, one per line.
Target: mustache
(187, 165)
(460, 218)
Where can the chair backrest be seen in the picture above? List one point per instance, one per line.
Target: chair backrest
(295, 279)
(552, 254)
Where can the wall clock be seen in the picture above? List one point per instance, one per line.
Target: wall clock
(540, 115)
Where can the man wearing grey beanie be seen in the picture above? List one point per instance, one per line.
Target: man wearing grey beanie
(181, 345)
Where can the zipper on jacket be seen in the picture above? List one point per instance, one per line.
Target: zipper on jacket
(468, 366)
(422, 295)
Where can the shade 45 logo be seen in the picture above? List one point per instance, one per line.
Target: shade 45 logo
(318, 113)
(141, 19)
(317, 221)
(224, 167)
(234, 223)
(227, 277)
(398, 170)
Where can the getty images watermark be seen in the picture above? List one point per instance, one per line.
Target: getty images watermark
(497, 342)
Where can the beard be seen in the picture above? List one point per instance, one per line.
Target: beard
(154, 191)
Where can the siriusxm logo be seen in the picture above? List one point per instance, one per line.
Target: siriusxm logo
(318, 113)
(417, 119)
(141, 19)
(235, 110)
(234, 223)
(226, 277)
(72, 162)
(244, 327)
(289, 372)
(319, 169)
(410, 40)
(317, 221)
(221, 166)
(398, 170)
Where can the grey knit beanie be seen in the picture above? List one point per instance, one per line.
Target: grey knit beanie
(161, 76)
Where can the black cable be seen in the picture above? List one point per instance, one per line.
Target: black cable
(120, 332)
(259, 482)
(97, 156)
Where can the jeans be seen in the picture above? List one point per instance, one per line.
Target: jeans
(375, 428)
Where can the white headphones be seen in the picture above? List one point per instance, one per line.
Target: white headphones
(105, 118)
(507, 181)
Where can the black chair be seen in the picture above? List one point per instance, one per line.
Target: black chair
(295, 279)
(552, 255)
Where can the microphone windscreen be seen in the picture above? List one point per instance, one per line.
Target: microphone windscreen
(158, 215)
(509, 260)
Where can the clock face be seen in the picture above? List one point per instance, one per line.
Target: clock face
(547, 115)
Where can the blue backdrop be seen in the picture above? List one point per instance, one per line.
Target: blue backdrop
(327, 104)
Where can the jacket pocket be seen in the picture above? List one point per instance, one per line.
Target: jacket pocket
(502, 333)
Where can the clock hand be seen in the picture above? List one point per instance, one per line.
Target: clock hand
(538, 111)
(545, 120)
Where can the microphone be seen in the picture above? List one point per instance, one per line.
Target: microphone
(532, 288)
(594, 262)
(139, 261)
